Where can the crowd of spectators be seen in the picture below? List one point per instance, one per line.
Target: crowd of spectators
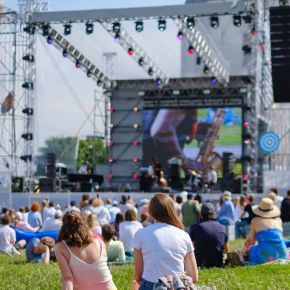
(169, 222)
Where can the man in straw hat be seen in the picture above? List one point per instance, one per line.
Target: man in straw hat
(226, 214)
(266, 229)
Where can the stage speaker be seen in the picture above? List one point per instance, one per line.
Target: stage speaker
(280, 52)
(228, 165)
(47, 184)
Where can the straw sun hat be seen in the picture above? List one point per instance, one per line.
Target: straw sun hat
(266, 209)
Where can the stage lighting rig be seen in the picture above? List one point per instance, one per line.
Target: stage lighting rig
(162, 25)
(67, 29)
(206, 70)
(28, 58)
(116, 27)
(28, 86)
(190, 49)
(150, 71)
(198, 60)
(30, 29)
(247, 18)
(158, 82)
(49, 40)
(190, 23)
(65, 52)
(27, 136)
(180, 35)
(237, 20)
(246, 49)
(78, 64)
(214, 22)
(130, 51)
(141, 61)
(45, 29)
(89, 28)
(139, 26)
(28, 111)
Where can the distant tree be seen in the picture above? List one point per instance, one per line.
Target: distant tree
(87, 149)
(63, 147)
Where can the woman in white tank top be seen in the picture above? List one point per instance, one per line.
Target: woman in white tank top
(82, 260)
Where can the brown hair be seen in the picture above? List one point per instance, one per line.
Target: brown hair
(48, 241)
(130, 215)
(108, 232)
(75, 230)
(161, 208)
(35, 206)
(6, 220)
(92, 221)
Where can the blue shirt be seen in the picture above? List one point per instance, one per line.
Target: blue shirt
(31, 257)
(227, 211)
(34, 219)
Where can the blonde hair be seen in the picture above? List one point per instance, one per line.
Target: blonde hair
(97, 202)
(92, 221)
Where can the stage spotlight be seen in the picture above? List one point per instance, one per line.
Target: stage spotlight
(246, 49)
(161, 25)
(45, 30)
(214, 22)
(190, 50)
(99, 83)
(136, 159)
(89, 74)
(30, 29)
(26, 158)
(27, 136)
(198, 60)
(135, 109)
(141, 61)
(246, 177)
(139, 26)
(110, 159)
(28, 111)
(246, 125)
(116, 27)
(117, 38)
(158, 82)
(28, 57)
(65, 53)
(135, 175)
(131, 51)
(213, 81)
(78, 64)
(111, 143)
(111, 126)
(49, 40)
(67, 29)
(253, 31)
(112, 110)
(247, 18)
(190, 23)
(28, 86)
(135, 126)
(110, 176)
(135, 143)
(150, 71)
(237, 20)
(89, 28)
(180, 35)
(206, 70)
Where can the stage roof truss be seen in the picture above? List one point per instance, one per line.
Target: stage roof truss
(90, 68)
(126, 41)
(204, 8)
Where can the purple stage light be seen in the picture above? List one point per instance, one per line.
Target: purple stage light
(180, 36)
(158, 82)
(213, 81)
(117, 38)
(65, 53)
(49, 40)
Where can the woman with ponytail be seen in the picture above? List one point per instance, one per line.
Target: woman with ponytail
(82, 260)
(162, 249)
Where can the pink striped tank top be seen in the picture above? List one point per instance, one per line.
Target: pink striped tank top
(95, 276)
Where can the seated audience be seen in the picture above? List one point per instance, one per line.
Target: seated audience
(94, 225)
(8, 238)
(128, 228)
(53, 224)
(118, 220)
(23, 225)
(85, 201)
(114, 210)
(48, 212)
(209, 239)
(34, 216)
(285, 208)
(145, 219)
(102, 213)
(115, 249)
(265, 241)
(72, 207)
(278, 197)
(190, 211)
(163, 248)
(82, 260)
(226, 214)
(39, 251)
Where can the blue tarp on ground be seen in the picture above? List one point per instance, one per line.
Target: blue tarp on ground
(22, 235)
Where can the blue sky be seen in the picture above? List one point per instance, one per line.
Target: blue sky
(90, 4)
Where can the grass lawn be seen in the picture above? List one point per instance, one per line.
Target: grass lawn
(15, 273)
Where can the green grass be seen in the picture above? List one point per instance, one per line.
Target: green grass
(15, 273)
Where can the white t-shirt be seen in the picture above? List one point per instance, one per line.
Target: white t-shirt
(48, 212)
(127, 231)
(7, 238)
(164, 248)
(113, 212)
(51, 225)
(102, 213)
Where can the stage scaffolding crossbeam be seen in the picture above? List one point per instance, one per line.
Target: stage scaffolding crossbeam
(204, 8)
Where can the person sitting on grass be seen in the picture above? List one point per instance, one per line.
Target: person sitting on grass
(209, 238)
(82, 260)
(23, 225)
(39, 251)
(8, 238)
(265, 241)
(115, 249)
